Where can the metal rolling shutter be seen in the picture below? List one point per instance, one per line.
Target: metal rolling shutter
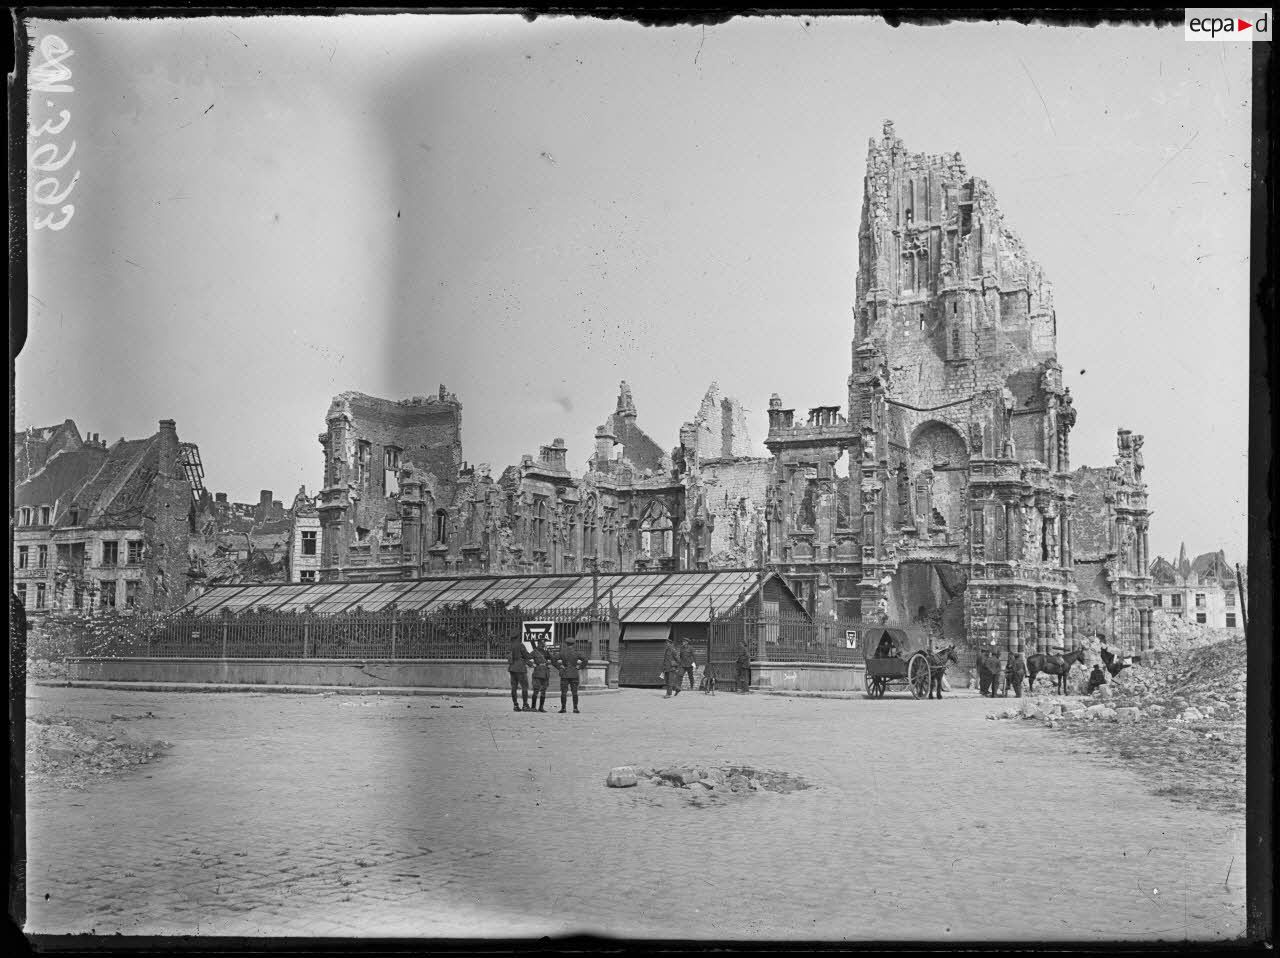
(640, 659)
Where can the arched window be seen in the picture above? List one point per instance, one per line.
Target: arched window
(656, 532)
(590, 529)
(442, 527)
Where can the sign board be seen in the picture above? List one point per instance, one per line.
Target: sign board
(851, 639)
(533, 632)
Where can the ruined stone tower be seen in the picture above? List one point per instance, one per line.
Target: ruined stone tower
(957, 509)
(958, 396)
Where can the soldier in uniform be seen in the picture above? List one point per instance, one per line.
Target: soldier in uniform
(541, 675)
(686, 665)
(518, 661)
(671, 668)
(743, 683)
(568, 661)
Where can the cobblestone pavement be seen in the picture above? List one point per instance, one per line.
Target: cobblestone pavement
(397, 816)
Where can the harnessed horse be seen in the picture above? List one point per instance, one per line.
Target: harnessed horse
(938, 661)
(1058, 666)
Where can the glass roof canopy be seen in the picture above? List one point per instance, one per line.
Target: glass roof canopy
(638, 597)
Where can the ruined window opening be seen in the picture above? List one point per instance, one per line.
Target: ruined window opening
(131, 594)
(44, 515)
(308, 543)
(23, 552)
(540, 524)
(590, 532)
(26, 516)
(1230, 599)
(1199, 600)
(1044, 540)
(77, 598)
(1159, 600)
(1231, 620)
(40, 595)
(108, 593)
(75, 516)
(1201, 618)
(42, 557)
(1176, 601)
(363, 454)
(953, 308)
(390, 457)
(110, 552)
(442, 527)
(134, 556)
(22, 592)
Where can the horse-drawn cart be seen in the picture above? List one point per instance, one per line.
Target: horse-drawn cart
(896, 659)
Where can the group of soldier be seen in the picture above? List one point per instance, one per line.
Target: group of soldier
(679, 662)
(567, 659)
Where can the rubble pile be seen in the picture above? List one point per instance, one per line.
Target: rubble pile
(1178, 718)
(69, 752)
(733, 779)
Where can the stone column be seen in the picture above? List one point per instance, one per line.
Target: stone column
(1042, 621)
(1014, 609)
(1069, 616)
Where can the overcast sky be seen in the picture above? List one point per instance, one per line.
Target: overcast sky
(271, 211)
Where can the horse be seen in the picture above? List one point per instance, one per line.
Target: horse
(1055, 665)
(988, 672)
(1112, 664)
(938, 666)
(1015, 671)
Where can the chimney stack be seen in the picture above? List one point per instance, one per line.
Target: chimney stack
(169, 467)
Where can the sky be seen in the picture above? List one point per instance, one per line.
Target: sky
(270, 211)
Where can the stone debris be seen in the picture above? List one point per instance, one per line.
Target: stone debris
(699, 780)
(624, 776)
(71, 752)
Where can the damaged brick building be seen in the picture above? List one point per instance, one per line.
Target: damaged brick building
(944, 495)
(101, 528)
(428, 512)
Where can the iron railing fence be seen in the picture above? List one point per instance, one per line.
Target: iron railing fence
(785, 638)
(467, 634)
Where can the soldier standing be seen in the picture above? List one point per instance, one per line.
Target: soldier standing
(518, 661)
(743, 683)
(541, 675)
(568, 661)
(671, 668)
(686, 665)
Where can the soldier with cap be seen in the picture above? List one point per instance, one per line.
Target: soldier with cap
(671, 668)
(743, 682)
(568, 661)
(687, 663)
(518, 662)
(541, 675)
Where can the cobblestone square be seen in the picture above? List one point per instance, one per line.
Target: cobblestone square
(375, 815)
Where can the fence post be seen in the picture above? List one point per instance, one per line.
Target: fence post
(226, 626)
(306, 630)
(395, 621)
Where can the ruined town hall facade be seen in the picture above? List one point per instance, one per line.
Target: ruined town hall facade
(944, 496)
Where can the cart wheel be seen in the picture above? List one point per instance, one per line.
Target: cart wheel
(918, 675)
(875, 687)
(869, 681)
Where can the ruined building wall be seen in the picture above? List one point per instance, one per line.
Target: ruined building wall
(367, 443)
